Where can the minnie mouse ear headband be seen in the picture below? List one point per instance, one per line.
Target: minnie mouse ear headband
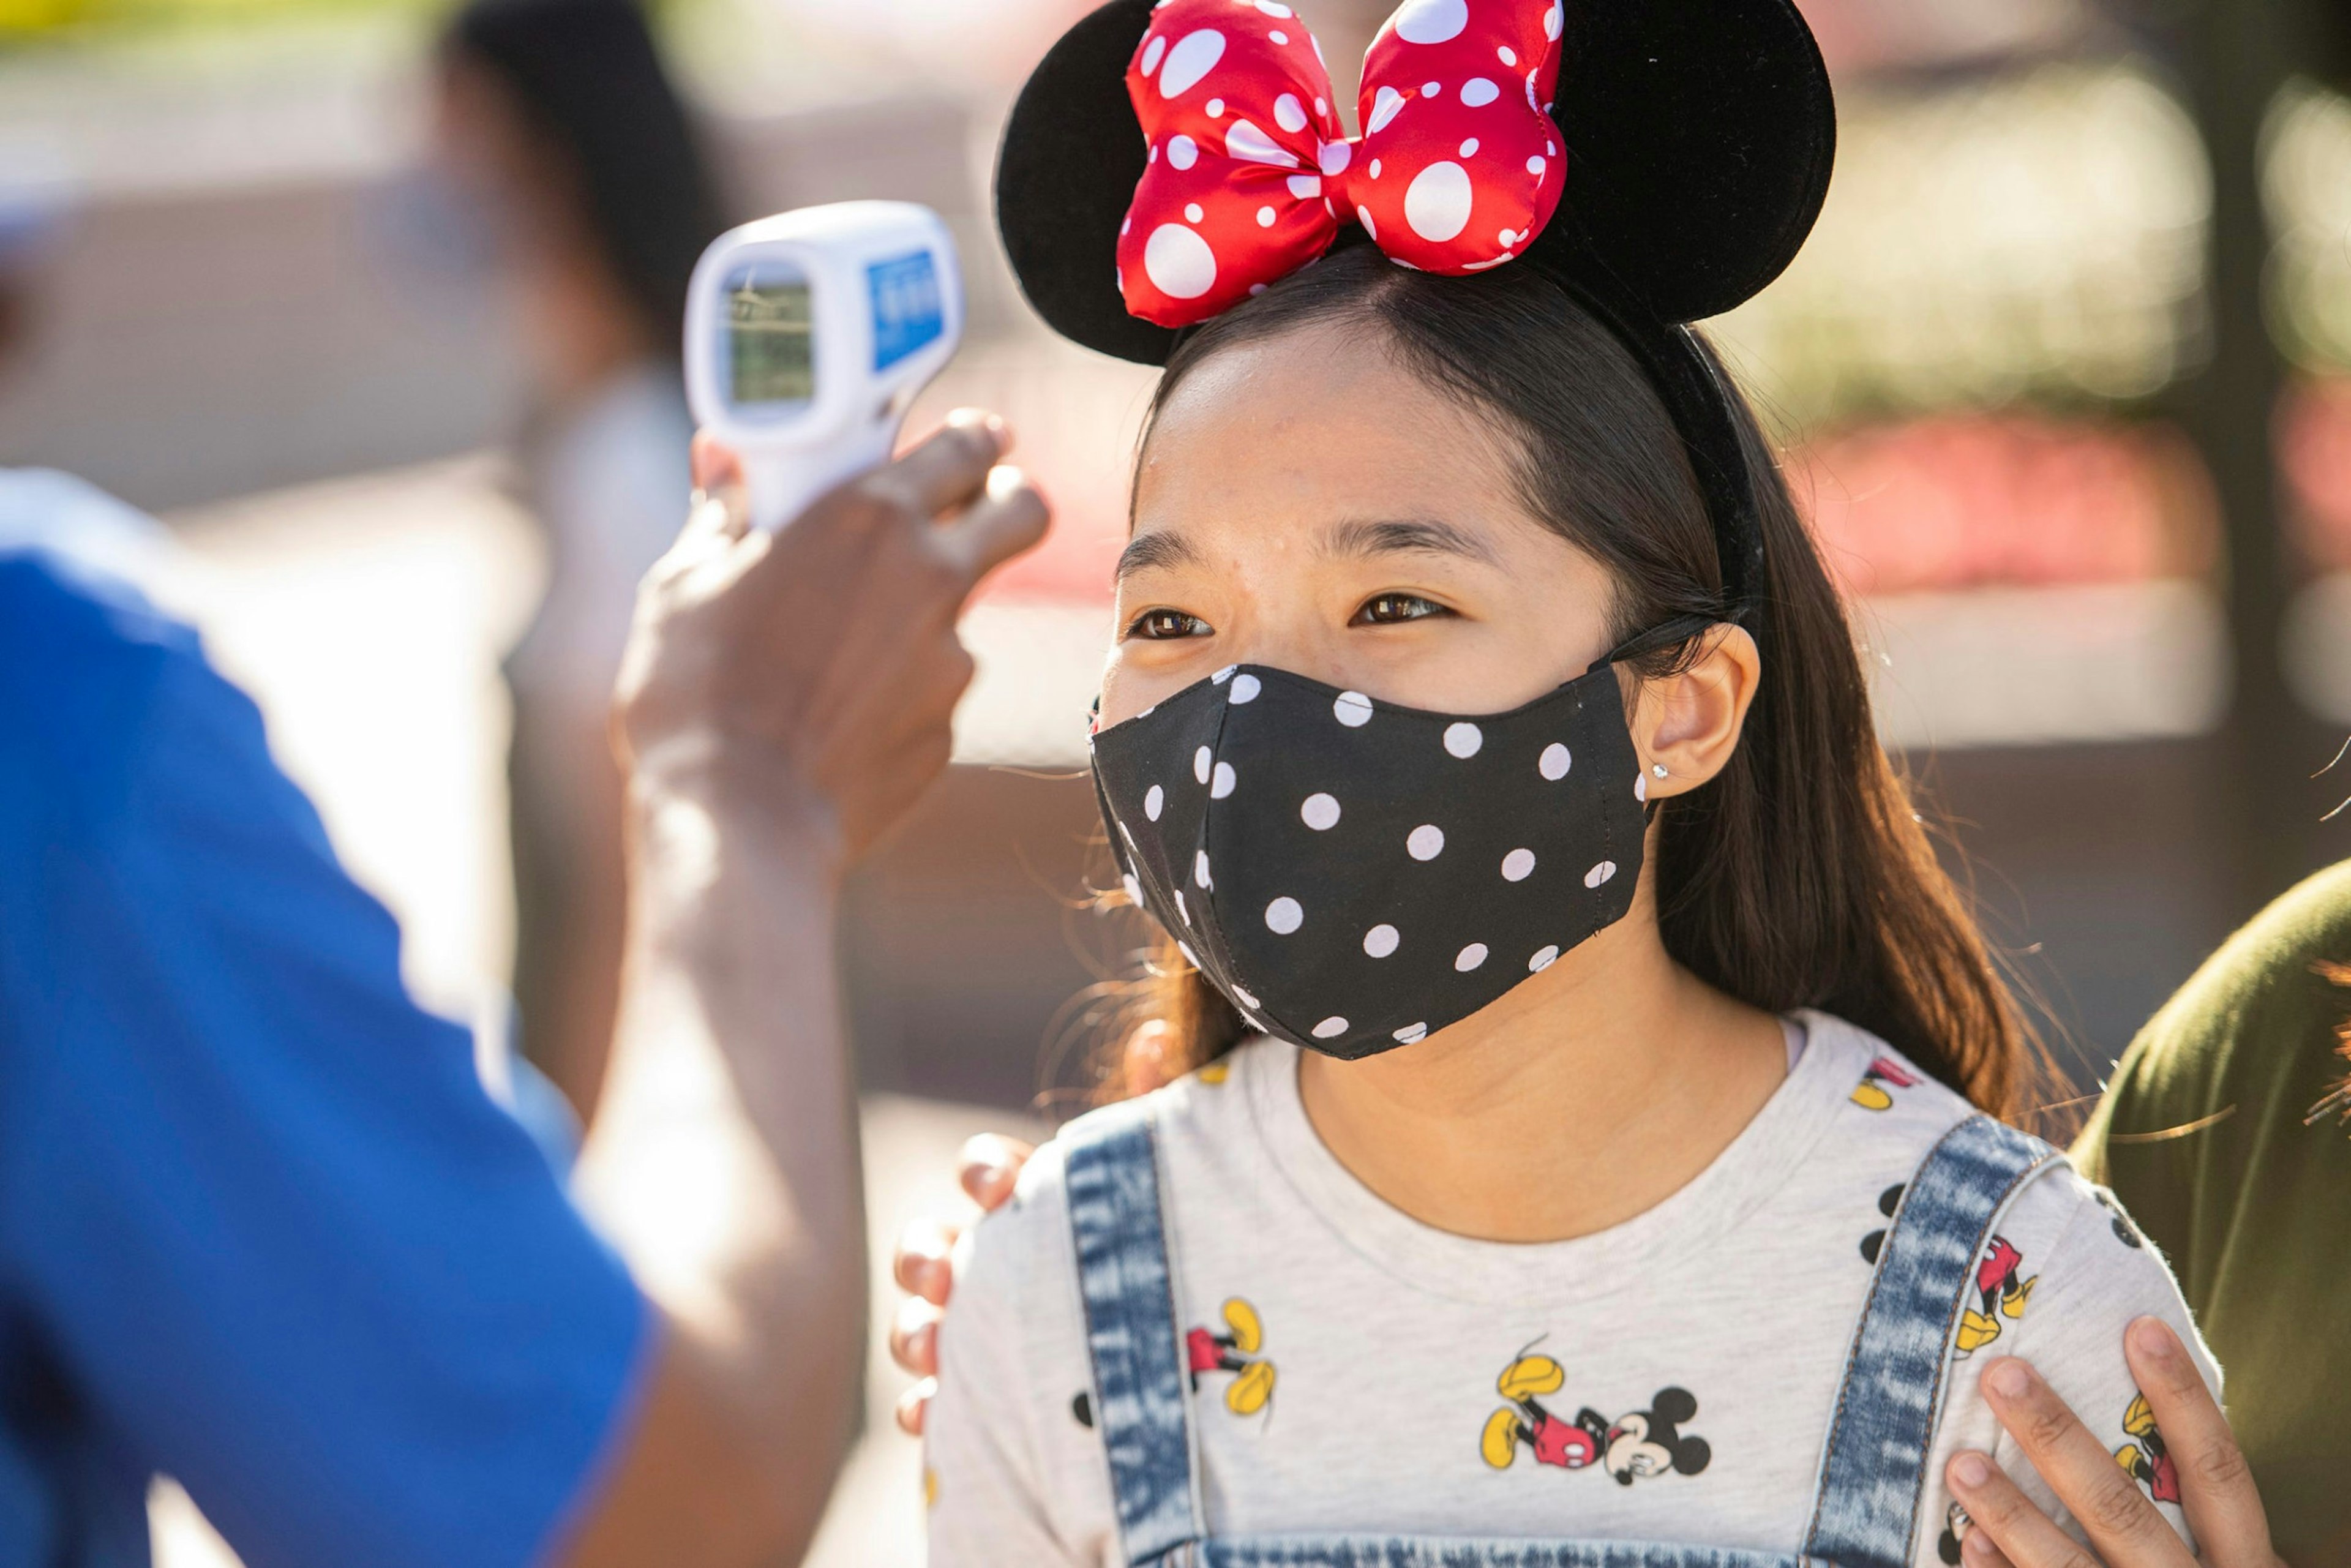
(1661, 160)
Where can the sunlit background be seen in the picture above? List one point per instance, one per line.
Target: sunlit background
(2054, 360)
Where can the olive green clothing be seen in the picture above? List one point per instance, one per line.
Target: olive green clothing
(2202, 1136)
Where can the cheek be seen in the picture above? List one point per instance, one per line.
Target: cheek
(1507, 653)
(1130, 685)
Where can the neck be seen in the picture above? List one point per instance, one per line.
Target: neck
(1586, 1096)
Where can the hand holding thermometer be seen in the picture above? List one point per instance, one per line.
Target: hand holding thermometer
(806, 335)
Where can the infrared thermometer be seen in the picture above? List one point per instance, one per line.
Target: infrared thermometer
(806, 335)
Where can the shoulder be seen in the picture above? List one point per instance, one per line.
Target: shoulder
(1899, 1101)
(2257, 1020)
(2078, 1227)
(2063, 1273)
(1909, 1108)
(84, 663)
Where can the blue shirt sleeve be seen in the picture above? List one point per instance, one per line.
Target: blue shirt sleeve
(253, 1200)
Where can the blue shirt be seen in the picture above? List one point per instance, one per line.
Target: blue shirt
(260, 1227)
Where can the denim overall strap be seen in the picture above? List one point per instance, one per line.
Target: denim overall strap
(1874, 1470)
(1140, 1405)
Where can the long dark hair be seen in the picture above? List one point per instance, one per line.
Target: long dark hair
(589, 82)
(1802, 876)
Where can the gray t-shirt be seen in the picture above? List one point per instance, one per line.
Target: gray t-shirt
(1670, 1379)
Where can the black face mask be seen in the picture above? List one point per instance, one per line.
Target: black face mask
(1355, 876)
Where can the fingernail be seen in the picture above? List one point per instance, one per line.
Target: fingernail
(2152, 1338)
(2008, 1379)
(1970, 1469)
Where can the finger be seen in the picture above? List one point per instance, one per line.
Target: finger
(991, 1167)
(1146, 1058)
(2006, 1525)
(1011, 519)
(914, 1404)
(2216, 1485)
(712, 517)
(948, 467)
(2123, 1524)
(922, 1264)
(1980, 1551)
(714, 462)
(914, 1337)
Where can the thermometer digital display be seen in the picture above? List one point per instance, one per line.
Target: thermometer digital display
(808, 333)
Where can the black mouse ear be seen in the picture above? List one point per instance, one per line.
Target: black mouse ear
(1700, 138)
(1073, 153)
(1675, 1405)
(1694, 1455)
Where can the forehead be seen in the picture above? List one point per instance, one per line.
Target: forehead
(1317, 424)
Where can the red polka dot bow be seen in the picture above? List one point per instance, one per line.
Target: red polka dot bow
(1251, 174)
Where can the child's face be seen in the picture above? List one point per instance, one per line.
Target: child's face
(1306, 505)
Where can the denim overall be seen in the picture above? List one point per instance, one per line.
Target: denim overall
(1873, 1472)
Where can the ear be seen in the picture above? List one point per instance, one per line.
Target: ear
(1694, 1456)
(1690, 723)
(1675, 1405)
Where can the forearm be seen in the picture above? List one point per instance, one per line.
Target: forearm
(724, 1160)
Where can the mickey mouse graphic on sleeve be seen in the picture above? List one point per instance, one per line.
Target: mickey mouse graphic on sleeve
(2001, 1290)
(1956, 1525)
(2125, 1231)
(1639, 1443)
(2147, 1459)
(1887, 1202)
(1870, 1092)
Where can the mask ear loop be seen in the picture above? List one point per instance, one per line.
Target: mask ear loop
(1673, 634)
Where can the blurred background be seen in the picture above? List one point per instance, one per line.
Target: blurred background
(377, 313)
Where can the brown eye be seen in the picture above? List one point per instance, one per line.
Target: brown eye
(1163, 623)
(1394, 609)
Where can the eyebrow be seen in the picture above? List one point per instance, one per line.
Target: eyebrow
(1156, 552)
(1166, 550)
(1424, 535)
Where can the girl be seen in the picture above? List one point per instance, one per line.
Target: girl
(1584, 1162)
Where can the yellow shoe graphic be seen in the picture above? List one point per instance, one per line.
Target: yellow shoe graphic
(1251, 1389)
(1976, 1331)
(1870, 1096)
(1248, 1334)
(1531, 1376)
(930, 1488)
(1216, 1072)
(2012, 1302)
(2138, 1420)
(1500, 1443)
(2127, 1457)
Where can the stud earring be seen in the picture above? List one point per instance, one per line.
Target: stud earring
(1659, 769)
